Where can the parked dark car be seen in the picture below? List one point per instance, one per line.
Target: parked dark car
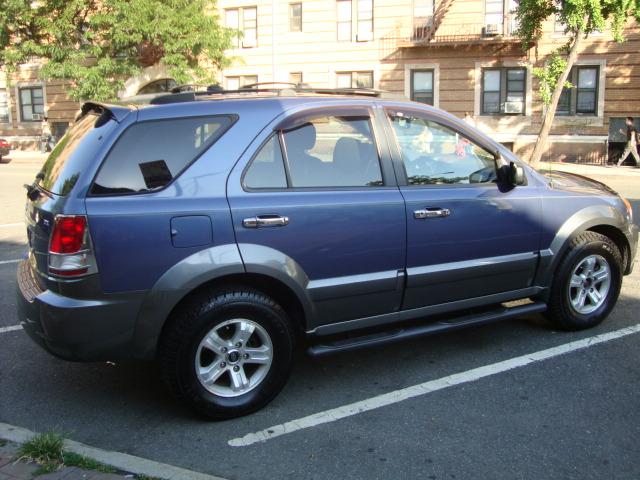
(215, 231)
(5, 148)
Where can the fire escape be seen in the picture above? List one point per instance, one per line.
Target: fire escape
(434, 31)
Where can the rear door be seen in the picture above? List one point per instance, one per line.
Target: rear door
(467, 236)
(319, 192)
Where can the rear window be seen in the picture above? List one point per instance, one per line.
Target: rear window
(149, 155)
(74, 152)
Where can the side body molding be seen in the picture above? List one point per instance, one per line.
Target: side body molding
(578, 222)
(175, 283)
(273, 263)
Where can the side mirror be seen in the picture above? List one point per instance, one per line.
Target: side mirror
(516, 174)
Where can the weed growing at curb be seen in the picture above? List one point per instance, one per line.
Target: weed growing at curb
(47, 450)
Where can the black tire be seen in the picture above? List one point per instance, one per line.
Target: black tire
(194, 319)
(561, 312)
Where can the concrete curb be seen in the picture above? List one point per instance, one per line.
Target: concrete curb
(121, 461)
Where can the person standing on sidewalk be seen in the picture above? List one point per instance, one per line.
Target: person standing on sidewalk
(632, 143)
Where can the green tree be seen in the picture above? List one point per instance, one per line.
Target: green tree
(580, 17)
(97, 44)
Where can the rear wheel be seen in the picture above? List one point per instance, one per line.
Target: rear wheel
(587, 283)
(227, 353)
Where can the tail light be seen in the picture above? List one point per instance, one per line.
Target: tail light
(70, 249)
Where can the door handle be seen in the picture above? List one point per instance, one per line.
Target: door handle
(265, 221)
(431, 213)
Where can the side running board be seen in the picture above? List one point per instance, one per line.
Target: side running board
(399, 334)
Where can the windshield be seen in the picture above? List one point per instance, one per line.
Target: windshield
(74, 152)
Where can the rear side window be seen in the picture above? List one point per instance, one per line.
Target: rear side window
(74, 152)
(333, 152)
(149, 155)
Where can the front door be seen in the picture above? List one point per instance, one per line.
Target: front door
(319, 193)
(467, 236)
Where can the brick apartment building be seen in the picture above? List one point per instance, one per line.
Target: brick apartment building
(459, 55)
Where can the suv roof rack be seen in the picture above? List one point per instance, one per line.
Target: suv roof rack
(190, 93)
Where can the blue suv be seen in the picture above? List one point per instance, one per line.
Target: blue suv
(214, 231)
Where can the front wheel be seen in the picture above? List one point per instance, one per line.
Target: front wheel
(227, 353)
(587, 283)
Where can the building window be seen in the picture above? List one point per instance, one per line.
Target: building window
(344, 20)
(158, 86)
(365, 20)
(244, 21)
(250, 27)
(422, 9)
(237, 82)
(295, 17)
(31, 104)
(232, 20)
(494, 14)
(4, 106)
(354, 79)
(295, 78)
(503, 91)
(422, 86)
(583, 99)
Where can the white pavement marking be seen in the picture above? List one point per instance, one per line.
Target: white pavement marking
(5, 225)
(424, 388)
(121, 461)
(12, 328)
(6, 262)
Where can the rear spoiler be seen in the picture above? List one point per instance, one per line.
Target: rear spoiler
(117, 112)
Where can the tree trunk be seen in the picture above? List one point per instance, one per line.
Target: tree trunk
(550, 113)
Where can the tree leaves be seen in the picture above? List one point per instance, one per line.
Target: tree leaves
(97, 44)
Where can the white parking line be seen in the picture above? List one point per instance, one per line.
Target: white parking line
(7, 262)
(12, 328)
(121, 461)
(5, 225)
(424, 388)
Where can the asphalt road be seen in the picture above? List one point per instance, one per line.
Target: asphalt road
(575, 415)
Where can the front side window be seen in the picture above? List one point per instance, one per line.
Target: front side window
(503, 91)
(31, 103)
(365, 20)
(344, 20)
(582, 98)
(149, 155)
(362, 79)
(434, 154)
(333, 152)
(422, 86)
(295, 17)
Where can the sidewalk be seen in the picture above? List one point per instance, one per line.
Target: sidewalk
(11, 468)
(591, 170)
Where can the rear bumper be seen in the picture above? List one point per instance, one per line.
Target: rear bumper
(99, 328)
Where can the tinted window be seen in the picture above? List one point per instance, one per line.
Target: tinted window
(267, 167)
(333, 152)
(74, 152)
(149, 155)
(434, 154)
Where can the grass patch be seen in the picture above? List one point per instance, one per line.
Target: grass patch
(3, 442)
(47, 450)
(70, 459)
